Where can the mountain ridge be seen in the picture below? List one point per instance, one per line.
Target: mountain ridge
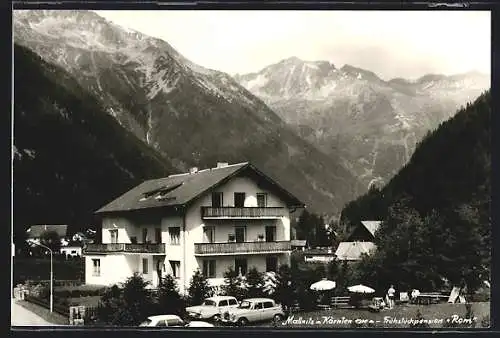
(191, 115)
(372, 124)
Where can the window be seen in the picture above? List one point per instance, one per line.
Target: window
(262, 200)
(268, 305)
(209, 234)
(223, 303)
(176, 268)
(113, 234)
(271, 263)
(145, 266)
(161, 323)
(240, 232)
(96, 271)
(240, 266)
(217, 199)
(239, 199)
(157, 235)
(209, 268)
(174, 322)
(270, 233)
(175, 234)
(258, 306)
(144, 235)
(233, 301)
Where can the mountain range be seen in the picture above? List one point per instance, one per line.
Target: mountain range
(373, 125)
(190, 115)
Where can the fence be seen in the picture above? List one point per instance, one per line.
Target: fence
(57, 282)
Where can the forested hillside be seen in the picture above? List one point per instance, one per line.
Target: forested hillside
(70, 156)
(436, 210)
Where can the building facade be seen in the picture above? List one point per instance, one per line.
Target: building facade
(208, 220)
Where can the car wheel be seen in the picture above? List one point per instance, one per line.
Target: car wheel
(242, 322)
(216, 317)
(277, 318)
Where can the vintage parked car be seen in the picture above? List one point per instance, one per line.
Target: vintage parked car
(163, 321)
(199, 324)
(212, 307)
(253, 310)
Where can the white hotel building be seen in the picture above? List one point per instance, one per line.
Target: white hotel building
(228, 216)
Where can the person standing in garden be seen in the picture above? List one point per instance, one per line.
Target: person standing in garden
(390, 294)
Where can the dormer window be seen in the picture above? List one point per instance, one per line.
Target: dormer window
(160, 192)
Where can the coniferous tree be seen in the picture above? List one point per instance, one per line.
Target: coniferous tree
(169, 299)
(233, 284)
(285, 288)
(198, 288)
(255, 283)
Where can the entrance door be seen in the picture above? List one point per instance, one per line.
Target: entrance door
(270, 233)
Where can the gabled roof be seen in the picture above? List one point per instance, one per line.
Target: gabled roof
(352, 251)
(371, 226)
(35, 231)
(181, 189)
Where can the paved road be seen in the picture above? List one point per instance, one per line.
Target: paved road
(23, 317)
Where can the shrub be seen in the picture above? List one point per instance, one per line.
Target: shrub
(126, 306)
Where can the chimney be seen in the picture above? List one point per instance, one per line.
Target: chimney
(222, 164)
(193, 170)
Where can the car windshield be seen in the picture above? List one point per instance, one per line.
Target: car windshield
(209, 302)
(245, 305)
(146, 322)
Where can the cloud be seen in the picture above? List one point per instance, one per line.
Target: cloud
(389, 43)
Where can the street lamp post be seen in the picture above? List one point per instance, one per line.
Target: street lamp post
(51, 276)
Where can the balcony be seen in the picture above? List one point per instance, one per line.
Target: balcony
(234, 248)
(124, 248)
(242, 213)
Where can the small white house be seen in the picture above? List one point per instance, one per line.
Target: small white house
(212, 219)
(360, 242)
(71, 250)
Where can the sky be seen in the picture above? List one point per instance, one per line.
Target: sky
(392, 44)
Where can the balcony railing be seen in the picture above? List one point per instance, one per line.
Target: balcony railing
(125, 247)
(231, 248)
(247, 212)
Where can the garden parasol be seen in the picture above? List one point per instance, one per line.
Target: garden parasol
(360, 289)
(323, 285)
